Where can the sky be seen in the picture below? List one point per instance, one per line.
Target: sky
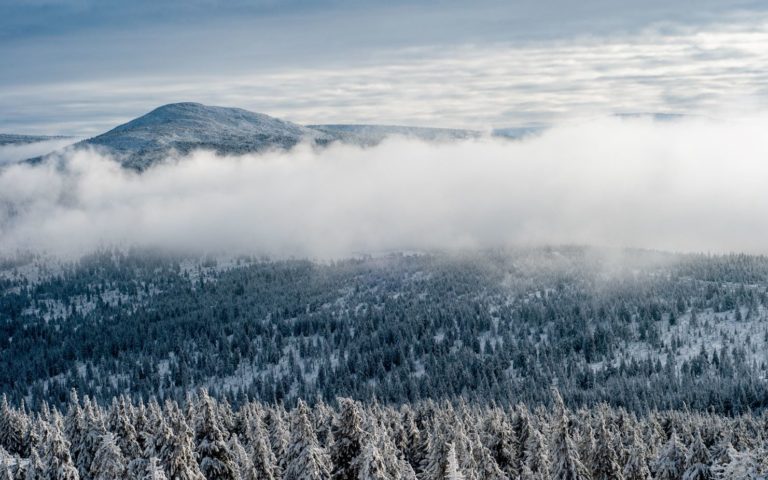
(80, 67)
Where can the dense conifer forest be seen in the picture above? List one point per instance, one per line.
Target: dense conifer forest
(636, 329)
(565, 363)
(203, 438)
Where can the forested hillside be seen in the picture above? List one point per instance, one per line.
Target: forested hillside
(636, 329)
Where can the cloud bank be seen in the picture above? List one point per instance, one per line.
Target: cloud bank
(689, 185)
(502, 83)
(17, 152)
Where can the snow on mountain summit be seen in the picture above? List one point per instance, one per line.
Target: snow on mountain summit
(179, 128)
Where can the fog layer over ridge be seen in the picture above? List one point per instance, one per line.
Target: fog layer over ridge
(688, 185)
(17, 152)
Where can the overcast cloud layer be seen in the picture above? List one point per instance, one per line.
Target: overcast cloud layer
(451, 64)
(691, 185)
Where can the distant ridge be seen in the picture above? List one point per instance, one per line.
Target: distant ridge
(14, 139)
(176, 129)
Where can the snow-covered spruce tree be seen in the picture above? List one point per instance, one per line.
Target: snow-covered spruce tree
(279, 438)
(347, 441)
(698, 461)
(586, 444)
(323, 419)
(57, 461)
(245, 468)
(452, 471)
(501, 443)
(35, 469)
(742, 466)
(605, 462)
(306, 460)
(370, 464)
(636, 467)
(108, 463)
(537, 462)
(566, 464)
(431, 464)
(670, 464)
(216, 461)
(153, 470)
(521, 426)
(119, 423)
(13, 426)
(405, 470)
(263, 459)
(485, 465)
(6, 472)
(90, 441)
(177, 449)
(412, 442)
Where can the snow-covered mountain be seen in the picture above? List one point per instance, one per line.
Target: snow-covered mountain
(177, 129)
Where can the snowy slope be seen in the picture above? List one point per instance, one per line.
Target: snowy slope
(174, 130)
(179, 128)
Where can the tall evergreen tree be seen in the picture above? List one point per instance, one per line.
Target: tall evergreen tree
(153, 470)
(698, 461)
(670, 463)
(57, 461)
(245, 468)
(108, 462)
(452, 470)
(263, 459)
(306, 460)
(347, 441)
(216, 461)
(565, 457)
(370, 465)
(636, 467)
(537, 462)
(177, 451)
(605, 461)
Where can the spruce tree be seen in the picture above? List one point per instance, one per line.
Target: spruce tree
(153, 470)
(58, 464)
(35, 467)
(605, 461)
(451, 468)
(306, 460)
(347, 441)
(565, 457)
(670, 463)
(537, 462)
(370, 465)
(698, 461)
(501, 443)
(108, 462)
(177, 451)
(264, 461)
(636, 467)
(216, 461)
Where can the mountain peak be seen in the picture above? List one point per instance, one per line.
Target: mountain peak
(179, 128)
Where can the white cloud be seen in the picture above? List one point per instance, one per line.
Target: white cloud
(17, 152)
(694, 185)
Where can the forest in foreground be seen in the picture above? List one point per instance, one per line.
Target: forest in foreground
(203, 438)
